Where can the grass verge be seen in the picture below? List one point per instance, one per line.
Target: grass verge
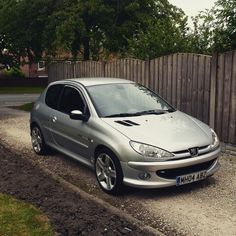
(19, 218)
(20, 90)
(26, 107)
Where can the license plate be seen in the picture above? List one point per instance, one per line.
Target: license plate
(190, 178)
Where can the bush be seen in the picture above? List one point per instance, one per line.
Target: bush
(14, 72)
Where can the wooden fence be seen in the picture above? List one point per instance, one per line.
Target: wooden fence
(223, 96)
(202, 86)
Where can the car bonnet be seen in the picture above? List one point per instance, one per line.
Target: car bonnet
(171, 131)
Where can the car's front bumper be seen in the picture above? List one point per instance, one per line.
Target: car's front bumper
(133, 170)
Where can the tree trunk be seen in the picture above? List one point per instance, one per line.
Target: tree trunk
(86, 48)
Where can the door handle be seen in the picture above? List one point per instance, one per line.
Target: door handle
(54, 119)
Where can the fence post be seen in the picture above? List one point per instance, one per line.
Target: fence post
(147, 73)
(103, 67)
(214, 67)
(73, 69)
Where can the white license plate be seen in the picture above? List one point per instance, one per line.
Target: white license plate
(190, 178)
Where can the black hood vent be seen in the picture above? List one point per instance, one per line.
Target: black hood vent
(126, 122)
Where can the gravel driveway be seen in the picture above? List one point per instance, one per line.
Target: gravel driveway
(203, 208)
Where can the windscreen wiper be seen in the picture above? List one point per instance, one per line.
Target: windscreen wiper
(153, 112)
(140, 113)
(123, 115)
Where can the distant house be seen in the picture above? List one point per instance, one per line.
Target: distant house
(36, 70)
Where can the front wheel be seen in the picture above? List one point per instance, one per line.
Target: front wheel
(108, 172)
(37, 140)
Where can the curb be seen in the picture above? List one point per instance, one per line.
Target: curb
(104, 204)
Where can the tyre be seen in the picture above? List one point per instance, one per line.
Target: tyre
(108, 172)
(37, 141)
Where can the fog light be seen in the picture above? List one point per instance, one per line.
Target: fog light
(144, 176)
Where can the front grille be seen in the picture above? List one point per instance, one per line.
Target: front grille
(184, 154)
(173, 173)
(187, 151)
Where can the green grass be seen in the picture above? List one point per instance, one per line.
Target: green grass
(20, 90)
(26, 107)
(19, 218)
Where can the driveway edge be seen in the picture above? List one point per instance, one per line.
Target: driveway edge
(102, 203)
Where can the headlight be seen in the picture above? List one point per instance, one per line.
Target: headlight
(150, 151)
(215, 140)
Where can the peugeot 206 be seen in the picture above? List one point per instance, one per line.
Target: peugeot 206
(127, 133)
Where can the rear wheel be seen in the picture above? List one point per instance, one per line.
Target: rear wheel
(108, 172)
(37, 140)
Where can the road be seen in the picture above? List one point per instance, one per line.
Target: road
(203, 208)
(11, 100)
(17, 99)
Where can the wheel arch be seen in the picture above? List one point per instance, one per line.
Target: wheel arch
(99, 147)
(34, 123)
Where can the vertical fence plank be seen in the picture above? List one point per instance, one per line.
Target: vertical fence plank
(184, 70)
(206, 91)
(189, 84)
(135, 71)
(226, 95)
(165, 74)
(139, 72)
(201, 72)
(174, 81)
(179, 81)
(219, 92)
(147, 73)
(232, 119)
(212, 107)
(143, 73)
(156, 77)
(128, 68)
(160, 76)
(169, 78)
(195, 85)
(152, 75)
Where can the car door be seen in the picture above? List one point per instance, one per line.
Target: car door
(71, 136)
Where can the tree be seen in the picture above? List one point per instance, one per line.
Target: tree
(22, 23)
(93, 28)
(8, 54)
(166, 33)
(214, 29)
(98, 26)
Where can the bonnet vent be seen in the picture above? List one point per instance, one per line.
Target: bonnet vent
(126, 122)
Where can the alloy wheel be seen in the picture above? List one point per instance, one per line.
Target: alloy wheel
(106, 171)
(36, 138)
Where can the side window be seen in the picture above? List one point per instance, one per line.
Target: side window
(71, 100)
(52, 95)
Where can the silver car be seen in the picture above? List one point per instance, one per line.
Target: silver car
(128, 134)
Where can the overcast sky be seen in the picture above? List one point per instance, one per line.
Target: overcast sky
(192, 7)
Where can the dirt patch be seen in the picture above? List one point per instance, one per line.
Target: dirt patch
(69, 213)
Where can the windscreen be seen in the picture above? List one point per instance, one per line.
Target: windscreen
(113, 100)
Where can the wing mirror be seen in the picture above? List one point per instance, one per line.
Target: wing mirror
(78, 115)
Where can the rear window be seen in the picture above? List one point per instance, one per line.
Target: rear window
(52, 95)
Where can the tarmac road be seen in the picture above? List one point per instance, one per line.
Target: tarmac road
(11, 100)
(17, 99)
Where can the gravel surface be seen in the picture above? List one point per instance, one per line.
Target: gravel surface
(203, 208)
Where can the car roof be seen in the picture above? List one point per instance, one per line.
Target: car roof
(91, 81)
